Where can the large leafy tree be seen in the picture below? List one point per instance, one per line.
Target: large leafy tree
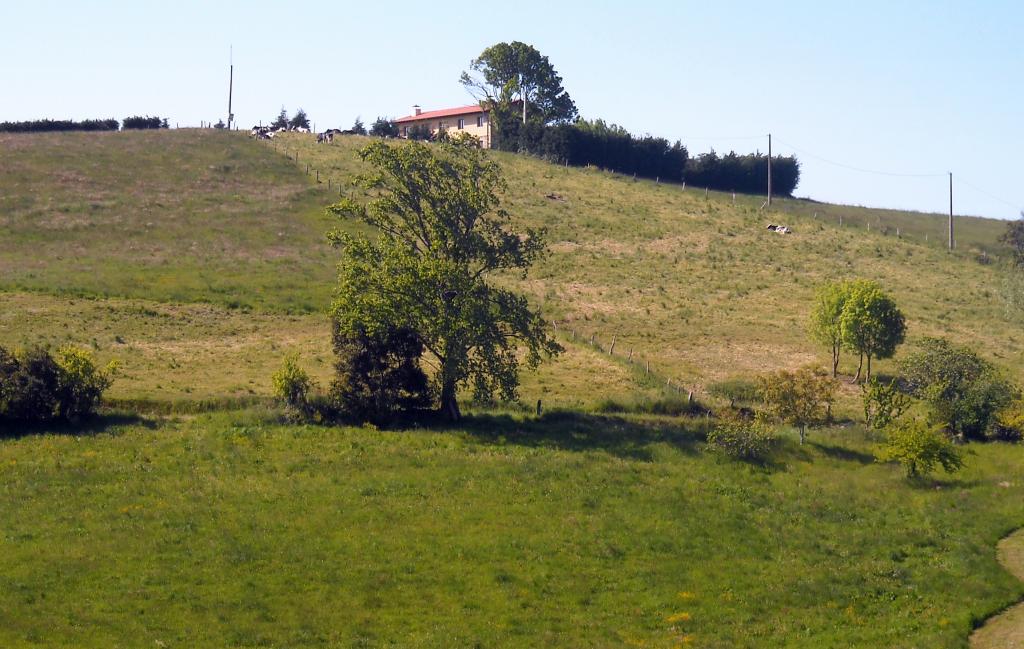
(871, 323)
(442, 236)
(514, 79)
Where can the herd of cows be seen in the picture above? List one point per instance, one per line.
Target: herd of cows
(268, 133)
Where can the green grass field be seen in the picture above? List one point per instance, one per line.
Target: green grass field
(198, 260)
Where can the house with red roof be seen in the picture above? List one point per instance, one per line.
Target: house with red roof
(465, 119)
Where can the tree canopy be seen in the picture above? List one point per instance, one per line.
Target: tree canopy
(802, 398)
(964, 390)
(442, 234)
(507, 74)
(826, 318)
(871, 323)
(384, 127)
(299, 120)
(281, 121)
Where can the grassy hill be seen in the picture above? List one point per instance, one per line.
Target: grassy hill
(694, 284)
(197, 259)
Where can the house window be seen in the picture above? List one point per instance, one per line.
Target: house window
(479, 120)
(462, 123)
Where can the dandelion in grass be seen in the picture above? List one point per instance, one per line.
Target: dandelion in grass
(679, 617)
(685, 594)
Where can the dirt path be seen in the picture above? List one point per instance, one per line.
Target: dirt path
(1006, 630)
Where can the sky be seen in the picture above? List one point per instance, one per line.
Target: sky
(911, 89)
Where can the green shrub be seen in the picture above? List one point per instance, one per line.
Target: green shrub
(379, 373)
(420, 132)
(963, 390)
(292, 384)
(802, 398)
(1009, 424)
(742, 439)
(81, 382)
(883, 403)
(36, 387)
(920, 448)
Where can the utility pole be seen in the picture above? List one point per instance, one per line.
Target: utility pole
(769, 170)
(231, 84)
(522, 94)
(952, 242)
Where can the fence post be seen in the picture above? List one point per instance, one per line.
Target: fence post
(630, 354)
(318, 175)
(611, 350)
(592, 338)
(648, 367)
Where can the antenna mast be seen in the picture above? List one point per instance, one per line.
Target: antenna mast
(231, 83)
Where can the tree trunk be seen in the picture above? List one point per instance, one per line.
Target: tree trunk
(860, 365)
(803, 434)
(835, 361)
(868, 377)
(449, 402)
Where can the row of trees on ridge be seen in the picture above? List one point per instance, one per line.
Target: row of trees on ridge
(57, 125)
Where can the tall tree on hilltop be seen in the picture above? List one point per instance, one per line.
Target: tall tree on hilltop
(442, 235)
(282, 119)
(300, 120)
(515, 80)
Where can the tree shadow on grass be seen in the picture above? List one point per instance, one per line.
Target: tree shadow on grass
(842, 453)
(932, 483)
(576, 431)
(105, 423)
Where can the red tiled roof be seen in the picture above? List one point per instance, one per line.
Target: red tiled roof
(444, 112)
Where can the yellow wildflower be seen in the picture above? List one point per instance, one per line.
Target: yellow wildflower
(679, 617)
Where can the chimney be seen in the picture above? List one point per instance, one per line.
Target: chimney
(416, 109)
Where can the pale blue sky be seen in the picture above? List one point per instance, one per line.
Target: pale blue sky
(906, 87)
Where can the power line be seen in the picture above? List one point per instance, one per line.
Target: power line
(992, 196)
(860, 169)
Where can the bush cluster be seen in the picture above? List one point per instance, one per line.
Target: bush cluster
(742, 439)
(138, 122)
(51, 125)
(377, 374)
(964, 391)
(596, 143)
(920, 448)
(610, 146)
(37, 386)
(743, 173)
